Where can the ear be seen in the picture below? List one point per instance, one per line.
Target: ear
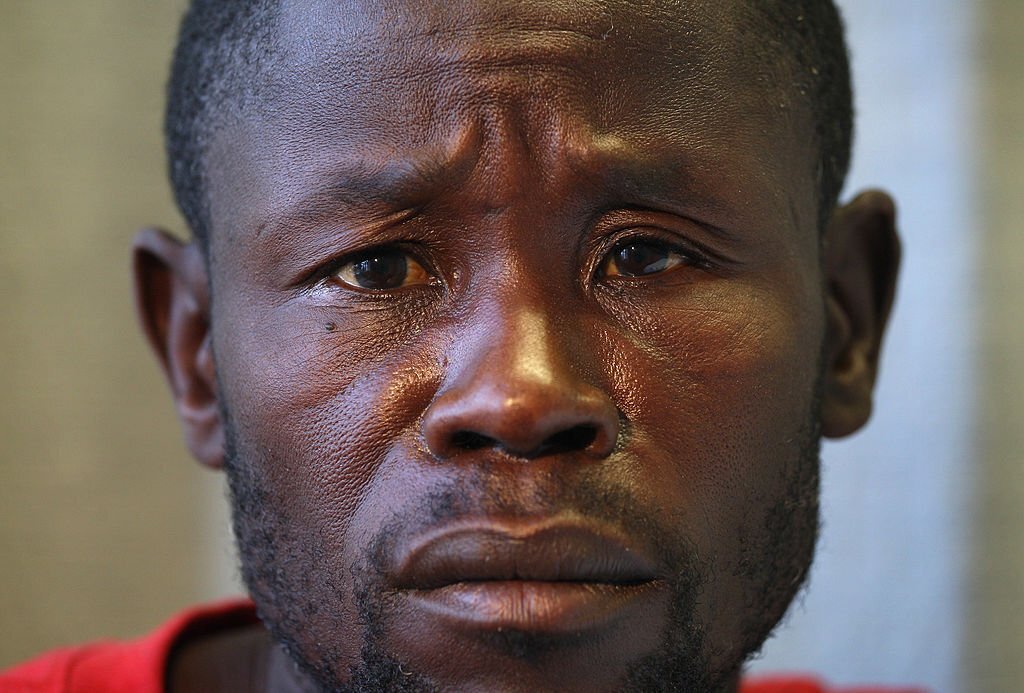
(173, 305)
(861, 257)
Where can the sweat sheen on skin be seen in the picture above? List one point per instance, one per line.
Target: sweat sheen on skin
(619, 339)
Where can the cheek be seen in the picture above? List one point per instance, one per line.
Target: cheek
(718, 389)
(720, 399)
(321, 400)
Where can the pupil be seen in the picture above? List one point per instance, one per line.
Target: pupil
(638, 259)
(381, 271)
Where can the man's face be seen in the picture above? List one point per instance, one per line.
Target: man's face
(518, 324)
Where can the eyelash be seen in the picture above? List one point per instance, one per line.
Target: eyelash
(334, 265)
(603, 249)
(695, 255)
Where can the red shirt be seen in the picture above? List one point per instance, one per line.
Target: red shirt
(138, 666)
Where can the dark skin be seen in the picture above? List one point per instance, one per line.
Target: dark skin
(517, 336)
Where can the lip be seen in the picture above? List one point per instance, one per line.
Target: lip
(549, 577)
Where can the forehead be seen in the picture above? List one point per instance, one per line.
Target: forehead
(404, 32)
(662, 86)
(618, 56)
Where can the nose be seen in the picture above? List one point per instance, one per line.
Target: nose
(513, 388)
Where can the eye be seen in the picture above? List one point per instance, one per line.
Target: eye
(383, 269)
(639, 258)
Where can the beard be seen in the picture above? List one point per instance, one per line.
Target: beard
(288, 579)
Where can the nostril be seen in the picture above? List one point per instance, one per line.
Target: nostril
(571, 439)
(468, 440)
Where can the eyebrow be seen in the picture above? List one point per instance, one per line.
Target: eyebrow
(671, 183)
(401, 183)
(668, 183)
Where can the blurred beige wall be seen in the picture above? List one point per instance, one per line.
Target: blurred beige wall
(996, 623)
(101, 510)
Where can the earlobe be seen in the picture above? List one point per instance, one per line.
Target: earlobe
(173, 306)
(861, 263)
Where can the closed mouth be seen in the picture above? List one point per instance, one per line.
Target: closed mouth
(543, 552)
(553, 576)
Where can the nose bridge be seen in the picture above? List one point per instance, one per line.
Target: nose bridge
(529, 353)
(519, 357)
(516, 382)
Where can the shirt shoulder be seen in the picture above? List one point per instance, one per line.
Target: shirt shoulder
(113, 666)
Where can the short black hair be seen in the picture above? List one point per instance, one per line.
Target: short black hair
(222, 44)
(812, 34)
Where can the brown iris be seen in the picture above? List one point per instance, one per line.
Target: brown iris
(383, 270)
(641, 258)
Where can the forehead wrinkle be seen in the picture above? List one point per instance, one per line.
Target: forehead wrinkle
(387, 44)
(674, 181)
(366, 185)
(369, 57)
(401, 20)
(372, 65)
